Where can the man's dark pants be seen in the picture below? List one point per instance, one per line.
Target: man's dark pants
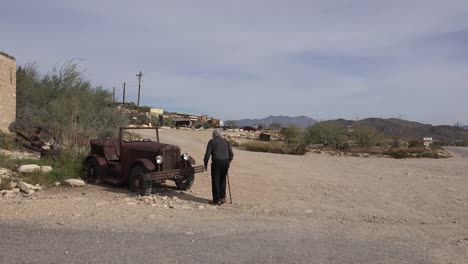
(219, 170)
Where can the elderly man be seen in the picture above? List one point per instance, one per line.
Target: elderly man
(221, 152)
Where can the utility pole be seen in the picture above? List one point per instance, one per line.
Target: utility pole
(113, 94)
(457, 133)
(123, 100)
(139, 75)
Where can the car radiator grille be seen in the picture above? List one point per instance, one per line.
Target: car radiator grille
(171, 159)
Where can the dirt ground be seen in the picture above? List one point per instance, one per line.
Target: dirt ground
(422, 202)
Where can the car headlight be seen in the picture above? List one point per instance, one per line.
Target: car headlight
(185, 156)
(159, 159)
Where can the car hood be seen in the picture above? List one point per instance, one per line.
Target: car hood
(147, 146)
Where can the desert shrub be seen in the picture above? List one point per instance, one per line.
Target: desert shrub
(7, 141)
(295, 140)
(269, 147)
(397, 153)
(415, 144)
(66, 104)
(327, 134)
(365, 136)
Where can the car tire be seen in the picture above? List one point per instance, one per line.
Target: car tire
(92, 170)
(185, 184)
(140, 181)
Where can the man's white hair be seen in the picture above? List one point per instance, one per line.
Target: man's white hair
(216, 133)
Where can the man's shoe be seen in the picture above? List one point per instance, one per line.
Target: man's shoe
(214, 203)
(223, 201)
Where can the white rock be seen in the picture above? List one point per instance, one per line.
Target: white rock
(175, 198)
(46, 169)
(164, 198)
(15, 190)
(32, 187)
(5, 173)
(57, 184)
(23, 187)
(201, 207)
(75, 183)
(12, 185)
(186, 207)
(29, 168)
(308, 211)
(31, 191)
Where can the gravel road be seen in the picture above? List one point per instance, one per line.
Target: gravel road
(287, 209)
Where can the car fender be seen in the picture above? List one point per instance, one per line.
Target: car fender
(191, 160)
(101, 161)
(145, 163)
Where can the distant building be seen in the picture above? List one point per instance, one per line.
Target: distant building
(428, 141)
(156, 111)
(7, 90)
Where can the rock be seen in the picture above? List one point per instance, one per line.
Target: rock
(60, 223)
(29, 168)
(32, 187)
(186, 207)
(308, 211)
(365, 155)
(31, 191)
(46, 169)
(23, 187)
(57, 184)
(5, 173)
(171, 206)
(175, 198)
(164, 198)
(12, 185)
(201, 207)
(15, 190)
(75, 183)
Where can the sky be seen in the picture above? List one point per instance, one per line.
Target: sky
(251, 59)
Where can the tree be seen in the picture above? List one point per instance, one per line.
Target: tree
(328, 134)
(66, 104)
(365, 136)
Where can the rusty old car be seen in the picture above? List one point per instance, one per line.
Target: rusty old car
(138, 159)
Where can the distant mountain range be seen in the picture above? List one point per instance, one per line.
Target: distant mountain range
(299, 121)
(408, 129)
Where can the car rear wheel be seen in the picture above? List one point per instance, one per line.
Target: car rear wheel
(185, 184)
(92, 170)
(140, 181)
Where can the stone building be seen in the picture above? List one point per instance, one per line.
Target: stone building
(7, 90)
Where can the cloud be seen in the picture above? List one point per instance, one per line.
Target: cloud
(236, 59)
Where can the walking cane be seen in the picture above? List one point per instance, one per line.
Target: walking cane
(229, 185)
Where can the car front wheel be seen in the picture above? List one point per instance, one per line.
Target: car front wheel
(92, 170)
(185, 184)
(140, 181)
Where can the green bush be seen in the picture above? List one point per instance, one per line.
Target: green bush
(327, 134)
(7, 141)
(415, 144)
(66, 105)
(365, 136)
(68, 165)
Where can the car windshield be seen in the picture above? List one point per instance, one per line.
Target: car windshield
(139, 135)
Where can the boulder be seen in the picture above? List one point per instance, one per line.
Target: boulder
(32, 187)
(29, 168)
(46, 169)
(75, 183)
(23, 187)
(57, 184)
(12, 185)
(5, 173)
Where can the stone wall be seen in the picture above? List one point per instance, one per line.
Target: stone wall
(7, 90)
